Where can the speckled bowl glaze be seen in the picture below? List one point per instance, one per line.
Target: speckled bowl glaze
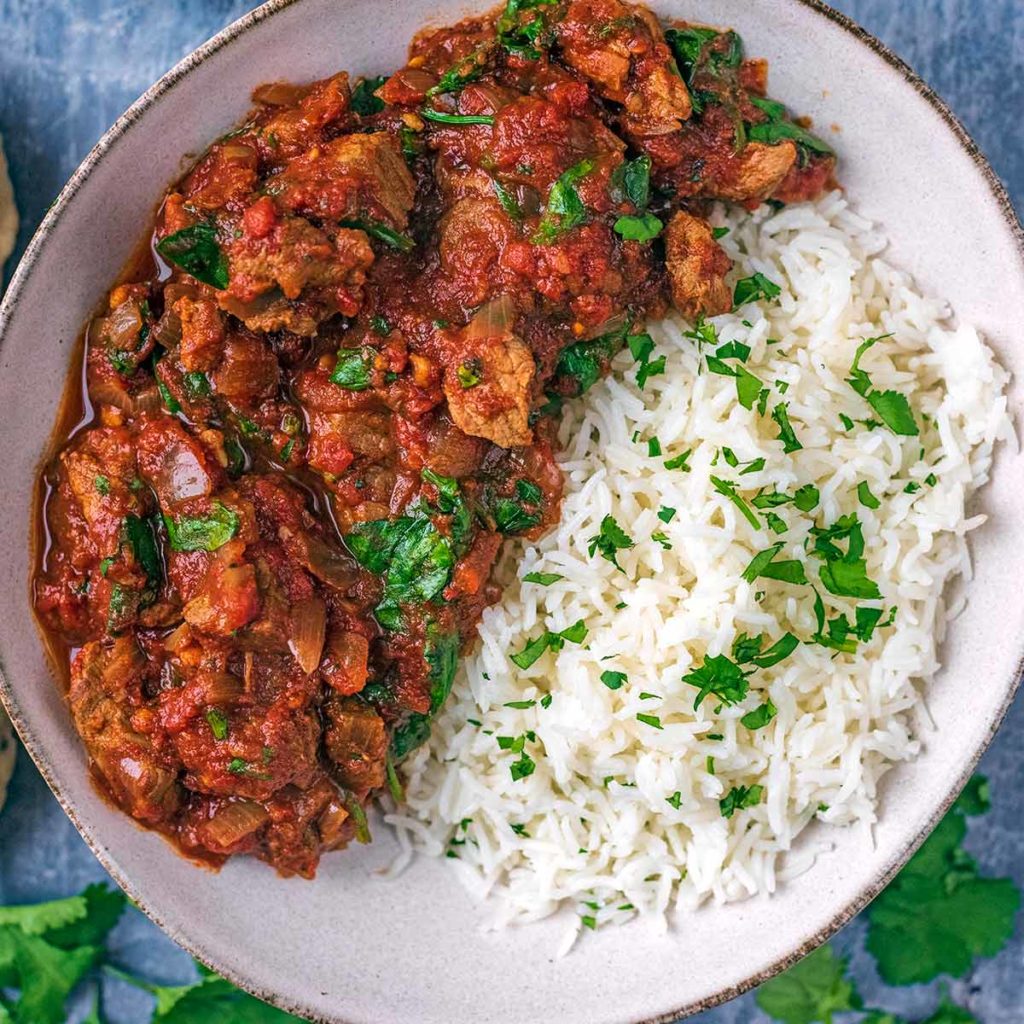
(350, 947)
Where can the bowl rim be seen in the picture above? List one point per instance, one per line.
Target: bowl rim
(35, 746)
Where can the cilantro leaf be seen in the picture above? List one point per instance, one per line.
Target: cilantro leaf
(642, 228)
(760, 716)
(46, 974)
(722, 677)
(202, 533)
(613, 680)
(865, 497)
(610, 539)
(811, 991)
(940, 912)
(196, 250)
(893, 408)
(353, 369)
(543, 579)
(763, 564)
(728, 490)
(739, 798)
(750, 289)
(576, 633)
(564, 209)
(363, 100)
(787, 435)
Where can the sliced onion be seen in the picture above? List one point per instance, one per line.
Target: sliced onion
(167, 331)
(178, 290)
(106, 392)
(222, 688)
(331, 824)
(182, 475)
(493, 319)
(121, 663)
(237, 151)
(323, 560)
(148, 402)
(279, 94)
(181, 637)
(234, 822)
(123, 326)
(308, 629)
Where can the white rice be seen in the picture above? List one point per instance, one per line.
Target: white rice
(593, 827)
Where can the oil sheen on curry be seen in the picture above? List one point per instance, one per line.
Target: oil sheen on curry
(320, 407)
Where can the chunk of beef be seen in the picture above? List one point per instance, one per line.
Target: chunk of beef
(696, 266)
(99, 469)
(356, 742)
(249, 370)
(345, 665)
(621, 49)
(202, 333)
(227, 174)
(295, 276)
(490, 397)
(353, 178)
(294, 126)
(752, 175)
(105, 682)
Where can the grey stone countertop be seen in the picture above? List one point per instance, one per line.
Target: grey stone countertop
(69, 67)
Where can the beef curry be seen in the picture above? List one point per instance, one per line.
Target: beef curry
(328, 394)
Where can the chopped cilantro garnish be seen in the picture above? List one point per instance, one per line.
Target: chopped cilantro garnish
(679, 461)
(722, 677)
(750, 289)
(544, 579)
(724, 487)
(666, 514)
(549, 641)
(760, 716)
(522, 768)
(652, 720)
(610, 539)
(441, 117)
(675, 799)
(353, 369)
(653, 447)
(844, 573)
(763, 564)
(739, 798)
(787, 435)
(218, 723)
(642, 228)
(613, 680)
(865, 497)
(196, 250)
(564, 209)
(891, 407)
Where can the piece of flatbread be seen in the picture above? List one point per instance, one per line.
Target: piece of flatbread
(8, 211)
(7, 747)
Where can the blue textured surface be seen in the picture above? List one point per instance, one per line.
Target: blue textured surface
(68, 68)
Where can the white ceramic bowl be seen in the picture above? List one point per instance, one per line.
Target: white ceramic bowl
(350, 947)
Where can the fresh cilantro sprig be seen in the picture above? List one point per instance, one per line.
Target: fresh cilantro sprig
(48, 949)
(936, 916)
(941, 912)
